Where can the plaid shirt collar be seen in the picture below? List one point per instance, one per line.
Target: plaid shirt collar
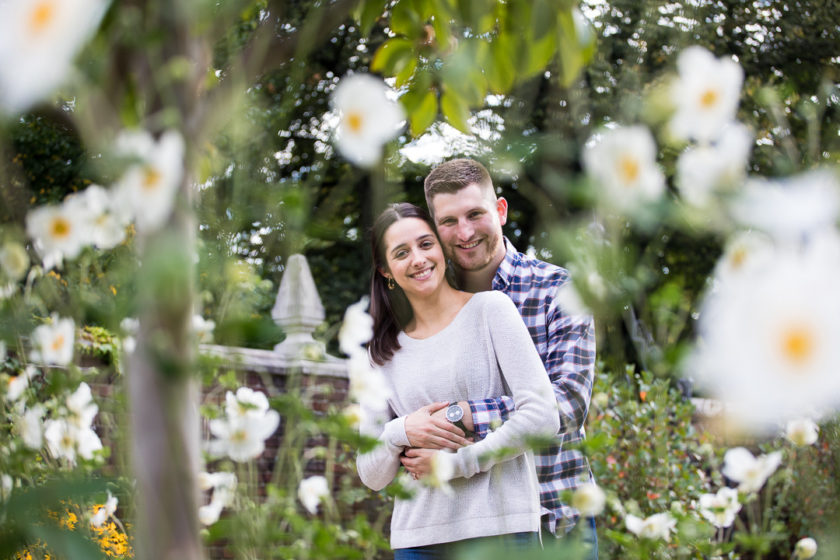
(507, 268)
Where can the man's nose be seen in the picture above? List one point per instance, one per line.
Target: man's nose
(465, 230)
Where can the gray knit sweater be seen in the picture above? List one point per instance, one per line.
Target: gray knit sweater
(484, 352)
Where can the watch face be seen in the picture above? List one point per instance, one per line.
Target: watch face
(454, 413)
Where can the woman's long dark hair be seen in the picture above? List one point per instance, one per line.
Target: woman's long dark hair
(390, 309)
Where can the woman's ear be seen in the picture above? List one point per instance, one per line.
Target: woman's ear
(384, 273)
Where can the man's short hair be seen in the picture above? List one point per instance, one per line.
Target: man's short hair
(452, 176)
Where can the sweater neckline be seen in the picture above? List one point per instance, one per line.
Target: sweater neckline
(407, 339)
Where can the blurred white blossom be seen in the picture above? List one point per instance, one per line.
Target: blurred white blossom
(744, 252)
(790, 208)
(707, 169)
(18, 383)
(721, 508)
(368, 118)
(203, 329)
(749, 471)
(105, 228)
(705, 94)
(622, 161)
(65, 440)
(105, 511)
(356, 329)
(223, 486)
(312, 491)
(38, 41)
(441, 471)
(31, 427)
(52, 343)
(58, 232)
(368, 386)
(82, 410)
(247, 424)
(14, 261)
(589, 500)
(802, 431)
(805, 548)
(147, 189)
(6, 485)
(768, 335)
(655, 527)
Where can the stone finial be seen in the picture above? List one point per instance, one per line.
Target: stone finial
(298, 311)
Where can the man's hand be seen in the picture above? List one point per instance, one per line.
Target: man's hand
(418, 462)
(426, 429)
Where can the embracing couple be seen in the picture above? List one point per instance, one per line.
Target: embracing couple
(480, 359)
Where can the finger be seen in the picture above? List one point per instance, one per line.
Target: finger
(434, 407)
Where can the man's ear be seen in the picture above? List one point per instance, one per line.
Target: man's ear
(502, 209)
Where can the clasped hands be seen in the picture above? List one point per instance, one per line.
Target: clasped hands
(428, 431)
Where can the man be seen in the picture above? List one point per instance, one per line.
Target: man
(469, 219)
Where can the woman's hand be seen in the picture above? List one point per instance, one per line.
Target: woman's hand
(418, 461)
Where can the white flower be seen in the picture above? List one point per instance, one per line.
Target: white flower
(203, 329)
(38, 41)
(311, 491)
(589, 500)
(720, 509)
(569, 300)
(356, 329)
(242, 438)
(622, 161)
(245, 402)
(223, 485)
(53, 342)
(705, 94)
(768, 337)
(790, 208)
(66, 440)
(706, 169)
(3, 350)
(31, 428)
(352, 413)
(104, 227)
(802, 431)
(81, 407)
(209, 513)
(14, 261)
(15, 387)
(441, 471)
(58, 233)
(148, 188)
(105, 511)
(6, 485)
(750, 472)
(805, 548)
(744, 252)
(656, 526)
(368, 118)
(368, 386)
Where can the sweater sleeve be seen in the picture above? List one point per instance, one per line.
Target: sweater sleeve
(378, 467)
(535, 409)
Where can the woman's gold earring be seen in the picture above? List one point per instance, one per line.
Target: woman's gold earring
(391, 283)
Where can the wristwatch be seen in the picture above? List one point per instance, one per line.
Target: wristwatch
(455, 414)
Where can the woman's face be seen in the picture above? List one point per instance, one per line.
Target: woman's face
(414, 257)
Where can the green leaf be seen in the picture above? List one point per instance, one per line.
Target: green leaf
(404, 75)
(539, 54)
(455, 111)
(498, 67)
(393, 56)
(571, 51)
(478, 14)
(405, 19)
(543, 18)
(413, 98)
(424, 113)
(368, 12)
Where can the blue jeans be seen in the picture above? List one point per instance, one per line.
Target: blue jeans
(513, 542)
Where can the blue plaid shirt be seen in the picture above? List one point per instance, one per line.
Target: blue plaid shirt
(566, 345)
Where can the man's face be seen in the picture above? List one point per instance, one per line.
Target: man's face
(469, 224)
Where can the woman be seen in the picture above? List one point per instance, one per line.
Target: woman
(434, 343)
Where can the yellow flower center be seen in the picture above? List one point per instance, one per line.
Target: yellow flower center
(738, 258)
(239, 436)
(629, 169)
(151, 177)
(709, 99)
(798, 344)
(57, 343)
(60, 227)
(42, 15)
(354, 121)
